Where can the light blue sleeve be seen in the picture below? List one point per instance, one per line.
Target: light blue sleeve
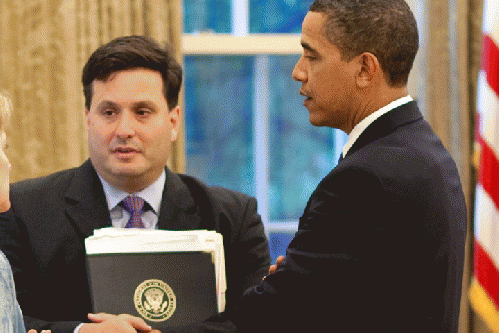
(18, 321)
(11, 318)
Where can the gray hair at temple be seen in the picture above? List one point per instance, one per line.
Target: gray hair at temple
(385, 28)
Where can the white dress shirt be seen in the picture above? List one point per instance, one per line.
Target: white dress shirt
(361, 127)
(152, 194)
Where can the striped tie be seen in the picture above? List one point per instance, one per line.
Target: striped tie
(134, 206)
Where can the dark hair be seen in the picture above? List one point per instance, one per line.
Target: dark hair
(133, 52)
(385, 28)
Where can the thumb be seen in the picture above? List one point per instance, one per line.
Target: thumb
(136, 322)
(99, 317)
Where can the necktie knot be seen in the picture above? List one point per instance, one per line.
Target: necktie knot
(134, 205)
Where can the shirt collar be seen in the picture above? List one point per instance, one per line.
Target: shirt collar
(153, 194)
(360, 127)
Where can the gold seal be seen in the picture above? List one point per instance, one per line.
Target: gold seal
(154, 300)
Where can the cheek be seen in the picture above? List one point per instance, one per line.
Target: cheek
(319, 79)
(156, 138)
(323, 88)
(99, 134)
(161, 132)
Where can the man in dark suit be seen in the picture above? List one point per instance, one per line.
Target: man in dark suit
(380, 245)
(131, 88)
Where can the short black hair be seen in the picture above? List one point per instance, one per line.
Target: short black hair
(131, 52)
(385, 28)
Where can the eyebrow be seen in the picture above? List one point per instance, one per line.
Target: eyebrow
(106, 104)
(136, 105)
(145, 104)
(307, 47)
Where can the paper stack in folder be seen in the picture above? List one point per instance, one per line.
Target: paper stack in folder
(169, 278)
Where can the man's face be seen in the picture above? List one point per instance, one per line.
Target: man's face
(130, 128)
(328, 83)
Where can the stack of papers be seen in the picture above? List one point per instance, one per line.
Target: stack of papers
(122, 241)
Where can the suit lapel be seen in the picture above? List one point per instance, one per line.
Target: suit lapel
(86, 205)
(178, 208)
(85, 202)
(386, 124)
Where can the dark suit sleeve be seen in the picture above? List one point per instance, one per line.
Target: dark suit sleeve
(318, 272)
(15, 243)
(331, 260)
(353, 268)
(301, 287)
(334, 272)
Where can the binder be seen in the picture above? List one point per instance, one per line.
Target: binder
(169, 278)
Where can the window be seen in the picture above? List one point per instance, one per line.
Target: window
(246, 127)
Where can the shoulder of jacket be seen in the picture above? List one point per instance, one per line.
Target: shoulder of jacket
(214, 193)
(54, 180)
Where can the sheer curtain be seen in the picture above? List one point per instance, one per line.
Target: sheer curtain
(44, 46)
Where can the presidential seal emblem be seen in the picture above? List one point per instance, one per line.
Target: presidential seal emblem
(154, 300)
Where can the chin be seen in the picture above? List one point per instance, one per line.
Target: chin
(126, 169)
(128, 172)
(315, 121)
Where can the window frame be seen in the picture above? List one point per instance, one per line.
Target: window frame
(241, 42)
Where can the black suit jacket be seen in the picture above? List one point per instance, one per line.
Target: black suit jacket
(43, 237)
(380, 245)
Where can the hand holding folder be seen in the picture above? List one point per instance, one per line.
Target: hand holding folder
(169, 278)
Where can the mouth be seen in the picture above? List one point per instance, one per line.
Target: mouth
(306, 95)
(307, 100)
(124, 152)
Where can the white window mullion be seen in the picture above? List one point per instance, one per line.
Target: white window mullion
(261, 132)
(340, 138)
(240, 17)
(251, 44)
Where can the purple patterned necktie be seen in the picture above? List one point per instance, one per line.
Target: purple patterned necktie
(134, 206)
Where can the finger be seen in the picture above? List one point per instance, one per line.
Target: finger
(99, 317)
(32, 331)
(272, 269)
(136, 322)
(279, 261)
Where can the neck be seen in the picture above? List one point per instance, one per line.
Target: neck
(373, 101)
(130, 183)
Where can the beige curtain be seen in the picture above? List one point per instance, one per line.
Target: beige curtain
(449, 64)
(44, 46)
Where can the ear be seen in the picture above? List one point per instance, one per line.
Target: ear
(370, 70)
(87, 119)
(175, 121)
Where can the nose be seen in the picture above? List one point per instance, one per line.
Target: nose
(126, 125)
(299, 73)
